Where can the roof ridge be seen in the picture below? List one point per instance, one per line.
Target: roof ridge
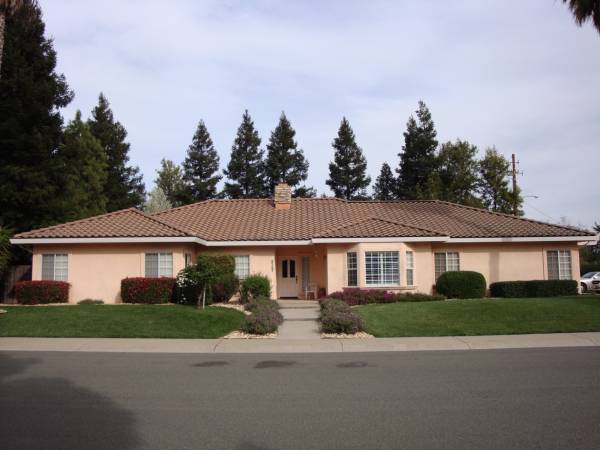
(85, 219)
(512, 216)
(148, 216)
(408, 226)
(381, 219)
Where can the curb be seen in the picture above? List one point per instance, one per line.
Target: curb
(300, 345)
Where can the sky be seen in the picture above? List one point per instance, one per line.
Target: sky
(520, 76)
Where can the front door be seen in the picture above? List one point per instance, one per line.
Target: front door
(288, 277)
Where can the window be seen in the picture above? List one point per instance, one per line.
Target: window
(382, 268)
(559, 265)
(55, 267)
(242, 266)
(410, 269)
(352, 267)
(446, 262)
(188, 259)
(159, 265)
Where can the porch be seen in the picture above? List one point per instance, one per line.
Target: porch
(300, 272)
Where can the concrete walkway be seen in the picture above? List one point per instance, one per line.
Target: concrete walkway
(299, 320)
(300, 345)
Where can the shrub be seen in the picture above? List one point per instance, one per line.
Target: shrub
(255, 286)
(533, 288)
(255, 303)
(41, 292)
(463, 284)
(333, 304)
(336, 321)
(223, 289)
(357, 296)
(147, 290)
(265, 319)
(90, 301)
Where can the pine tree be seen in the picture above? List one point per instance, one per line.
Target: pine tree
(385, 185)
(348, 172)
(417, 160)
(494, 170)
(285, 162)
(246, 166)
(83, 171)
(157, 201)
(170, 180)
(31, 94)
(458, 173)
(124, 186)
(200, 168)
(304, 192)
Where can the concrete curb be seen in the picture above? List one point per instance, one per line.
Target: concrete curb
(299, 345)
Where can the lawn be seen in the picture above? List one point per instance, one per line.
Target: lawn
(124, 321)
(483, 316)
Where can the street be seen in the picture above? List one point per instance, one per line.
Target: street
(526, 398)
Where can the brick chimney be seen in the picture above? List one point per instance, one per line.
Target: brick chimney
(283, 196)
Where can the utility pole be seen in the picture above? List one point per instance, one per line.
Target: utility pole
(514, 184)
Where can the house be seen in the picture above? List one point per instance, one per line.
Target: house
(303, 243)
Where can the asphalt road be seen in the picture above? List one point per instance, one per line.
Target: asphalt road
(541, 398)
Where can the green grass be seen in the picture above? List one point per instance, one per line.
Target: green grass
(127, 321)
(483, 316)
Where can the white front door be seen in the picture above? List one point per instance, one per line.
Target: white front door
(287, 278)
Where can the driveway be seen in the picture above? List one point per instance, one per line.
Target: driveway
(526, 398)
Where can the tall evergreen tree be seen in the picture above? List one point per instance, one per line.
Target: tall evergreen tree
(170, 180)
(246, 166)
(124, 186)
(285, 162)
(584, 10)
(417, 160)
(83, 171)
(348, 172)
(494, 170)
(31, 94)
(385, 184)
(200, 168)
(458, 173)
(304, 192)
(157, 201)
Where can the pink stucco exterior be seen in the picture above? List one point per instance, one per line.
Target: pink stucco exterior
(95, 270)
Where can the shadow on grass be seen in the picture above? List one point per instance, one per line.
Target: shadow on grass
(43, 412)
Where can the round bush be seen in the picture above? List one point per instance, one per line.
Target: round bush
(465, 284)
(341, 322)
(265, 319)
(255, 303)
(224, 288)
(255, 286)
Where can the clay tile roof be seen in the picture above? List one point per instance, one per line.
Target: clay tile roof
(124, 223)
(375, 227)
(258, 220)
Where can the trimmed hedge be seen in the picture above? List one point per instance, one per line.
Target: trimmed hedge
(254, 304)
(224, 288)
(41, 292)
(534, 288)
(357, 296)
(147, 290)
(463, 284)
(337, 317)
(253, 287)
(264, 319)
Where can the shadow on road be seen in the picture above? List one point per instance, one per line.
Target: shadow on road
(43, 412)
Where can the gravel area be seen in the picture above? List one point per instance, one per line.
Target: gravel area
(235, 306)
(359, 335)
(242, 335)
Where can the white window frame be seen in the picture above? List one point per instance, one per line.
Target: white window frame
(237, 268)
(410, 268)
(385, 274)
(448, 260)
(187, 259)
(162, 257)
(563, 264)
(353, 269)
(56, 276)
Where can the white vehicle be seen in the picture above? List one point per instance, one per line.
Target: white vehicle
(590, 282)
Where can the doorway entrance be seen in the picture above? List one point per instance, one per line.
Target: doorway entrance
(287, 277)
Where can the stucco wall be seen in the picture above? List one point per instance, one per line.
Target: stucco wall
(96, 271)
